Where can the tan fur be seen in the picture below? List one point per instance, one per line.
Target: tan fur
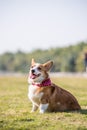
(57, 98)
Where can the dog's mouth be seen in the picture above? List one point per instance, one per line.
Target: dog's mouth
(34, 76)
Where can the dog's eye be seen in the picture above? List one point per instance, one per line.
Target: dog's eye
(32, 66)
(39, 68)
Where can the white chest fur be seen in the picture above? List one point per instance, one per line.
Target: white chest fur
(33, 96)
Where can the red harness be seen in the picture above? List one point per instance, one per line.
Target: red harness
(45, 83)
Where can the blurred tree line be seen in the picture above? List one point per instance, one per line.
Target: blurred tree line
(67, 59)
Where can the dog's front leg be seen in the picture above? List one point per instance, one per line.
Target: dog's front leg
(43, 107)
(34, 108)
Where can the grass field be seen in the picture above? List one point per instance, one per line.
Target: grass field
(15, 107)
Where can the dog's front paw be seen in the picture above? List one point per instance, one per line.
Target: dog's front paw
(34, 108)
(32, 111)
(43, 108)
(42, 111)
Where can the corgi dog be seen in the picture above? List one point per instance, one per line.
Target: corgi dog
(44, 94)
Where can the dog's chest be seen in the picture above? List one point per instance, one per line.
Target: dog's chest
(34, 95)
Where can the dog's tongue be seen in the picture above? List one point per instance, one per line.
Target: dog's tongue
(33, 76)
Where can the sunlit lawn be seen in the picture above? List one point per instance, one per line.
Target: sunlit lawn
(15, 107)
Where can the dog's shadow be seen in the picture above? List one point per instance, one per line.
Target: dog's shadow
(83, 111)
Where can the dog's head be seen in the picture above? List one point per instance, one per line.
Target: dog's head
(39, 72)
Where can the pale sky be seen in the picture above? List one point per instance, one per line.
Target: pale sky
(30, 24)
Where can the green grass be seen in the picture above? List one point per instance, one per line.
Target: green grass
(15, 107)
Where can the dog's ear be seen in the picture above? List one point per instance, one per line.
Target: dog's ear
(48, 65)
(32, 61)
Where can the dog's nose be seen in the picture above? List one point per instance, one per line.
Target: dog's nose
(32, 70)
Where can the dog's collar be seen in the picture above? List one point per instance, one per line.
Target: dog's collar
(45, 83)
